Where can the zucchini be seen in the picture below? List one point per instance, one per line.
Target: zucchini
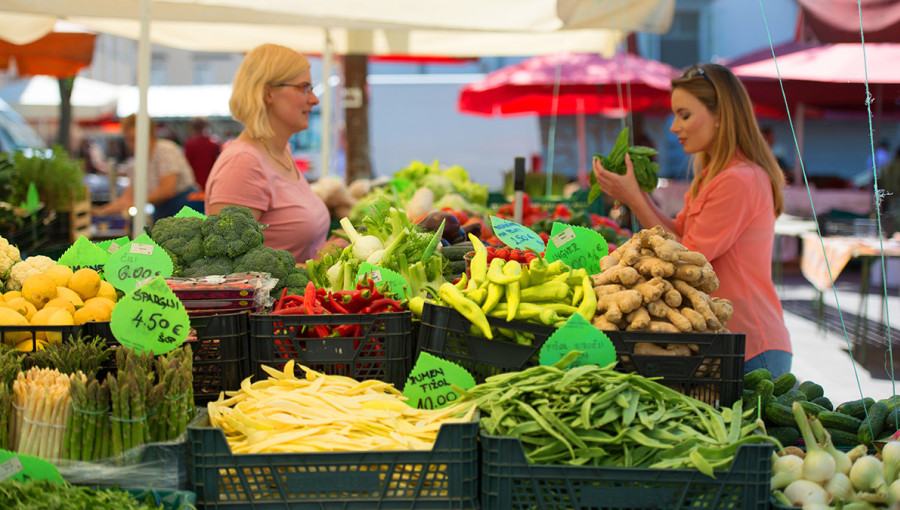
(842, 438)
(791, 397)
(891, 420)
(752, 379)
(870, 428)
(824, 402)
(812, 390)
(785, 383)
(811, 408)
(762, 395)
(856, 408)
(787, 436)
(780, 414)
(457, 251)
(840, 421)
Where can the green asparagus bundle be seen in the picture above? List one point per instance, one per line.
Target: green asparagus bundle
(83, 354)
(174, 370)
(5, 411)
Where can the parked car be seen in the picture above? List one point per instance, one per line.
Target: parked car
(15, 133)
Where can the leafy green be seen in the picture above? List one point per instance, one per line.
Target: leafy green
(46, 494)
(58, 178)
(645, 171)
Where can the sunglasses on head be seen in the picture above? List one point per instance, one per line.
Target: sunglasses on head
(695, 71)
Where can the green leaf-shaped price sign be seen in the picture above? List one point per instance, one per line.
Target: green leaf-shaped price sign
(32, 201)
(577, 334)
(428, 385)
(516, 236)
(396, 283)
(84, 253)
(188, 212)
(578, 247)
(150, 318)
(135, 262)
(111, 246)
(21, 467)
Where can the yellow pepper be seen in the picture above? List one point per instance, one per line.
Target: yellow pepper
(588, 306)
(478, 266)
(512, 289)
(452, 296)
(547, 291)
(494, 294)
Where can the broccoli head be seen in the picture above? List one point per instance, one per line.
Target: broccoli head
(180, 237)
(232, 232)
(261, 259)
(297, 278)
(209, 266)
(287, 258)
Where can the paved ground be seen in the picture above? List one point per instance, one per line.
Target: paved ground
(823, 356)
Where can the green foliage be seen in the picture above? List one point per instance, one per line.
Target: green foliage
(232, 232)
(58, 178)
(645, 171)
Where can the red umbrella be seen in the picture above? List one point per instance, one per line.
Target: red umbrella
(587, 84)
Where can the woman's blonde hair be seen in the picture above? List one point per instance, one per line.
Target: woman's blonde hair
(264, 65)
(130, 122)
(724, 95)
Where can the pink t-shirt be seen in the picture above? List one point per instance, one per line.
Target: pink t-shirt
(732, 223)
(297, 218)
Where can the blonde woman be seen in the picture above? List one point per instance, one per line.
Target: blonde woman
(272, 97)
(730, 208)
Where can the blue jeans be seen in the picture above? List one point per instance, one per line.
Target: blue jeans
(172, 206)
(776, 362)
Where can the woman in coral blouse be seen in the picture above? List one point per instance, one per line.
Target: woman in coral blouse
(272, 97)
(730, 208)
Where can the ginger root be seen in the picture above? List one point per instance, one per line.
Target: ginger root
(623, 275)
(615, 306)
(664, 311)
(603, 324)
(638, 320)
(653, 267)
(653, 289)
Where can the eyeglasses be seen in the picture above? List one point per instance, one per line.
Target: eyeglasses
(304, 86)
(697, 70)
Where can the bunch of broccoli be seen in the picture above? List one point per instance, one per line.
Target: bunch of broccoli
(225, 243)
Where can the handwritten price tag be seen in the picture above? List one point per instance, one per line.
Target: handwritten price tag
(516, 236)
(428, 385)
(578, 247)
(150, 318)
(136, 261)
(577, 334)
(84, 253)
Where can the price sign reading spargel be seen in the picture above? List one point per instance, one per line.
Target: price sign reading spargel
(150, 318)
(396, 282)
(516, 236)
(579, 247)
(577, 334)
(136, 261)
(84, 253)
(429, 383)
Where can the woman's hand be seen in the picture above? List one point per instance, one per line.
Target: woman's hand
(623, 188)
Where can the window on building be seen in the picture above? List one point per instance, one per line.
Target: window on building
(680, 46)
(159, 73)
(203, 73)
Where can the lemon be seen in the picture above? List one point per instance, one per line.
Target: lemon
(91, 313)
(11, 294)
(101, 301)
(9, 317)
(60, 274)
(40, 319)
(38, 288)
(19, 305)
(107, 291)
(85, 282)
(61, 303)
(29, 345)
(60, 317)
(70, 296)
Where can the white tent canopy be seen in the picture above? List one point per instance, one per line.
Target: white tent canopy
(38, 97)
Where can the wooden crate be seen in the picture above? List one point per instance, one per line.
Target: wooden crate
(79, 220)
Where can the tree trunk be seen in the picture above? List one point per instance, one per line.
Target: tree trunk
(65, 110)
(356, 117)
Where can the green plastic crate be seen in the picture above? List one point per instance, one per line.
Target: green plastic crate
(508, 481)
(445, 477)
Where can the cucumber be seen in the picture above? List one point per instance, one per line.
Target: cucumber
(787, 436)
(891, 420)
(811, 408)
(812, 390)
(856, 408)
(762, 395)
(840, 421)
(457, 251)
(870, 428)
(785, 383)
(824, 402)
(842, 438)
(791, 397)
(892, 403)
(752, 379)
(780, 414)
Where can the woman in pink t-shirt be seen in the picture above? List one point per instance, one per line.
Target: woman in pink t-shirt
(730, 209)
(272, 97)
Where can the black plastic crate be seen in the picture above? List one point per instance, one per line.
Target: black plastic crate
(715, 375)
(508, 481)
(220, 345)
(383, 351)
(12, 335)
(34, 232)
(446, 477)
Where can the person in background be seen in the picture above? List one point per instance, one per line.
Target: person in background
(169, 176)
(730, 208)
(201, 150)
(890, 183)
(272, 97)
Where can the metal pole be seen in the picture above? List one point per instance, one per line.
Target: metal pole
(325, 107)
(142, 129)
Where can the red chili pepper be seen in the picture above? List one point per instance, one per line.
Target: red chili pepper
(381, 305)
(280, 302)
(292, 310)
(346, 330)
(355, 300)
(309, 303)
(337, 307)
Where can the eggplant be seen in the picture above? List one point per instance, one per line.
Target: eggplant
(432, 223)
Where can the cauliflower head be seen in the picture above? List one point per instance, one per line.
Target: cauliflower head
(9, 255)
(26, 268)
